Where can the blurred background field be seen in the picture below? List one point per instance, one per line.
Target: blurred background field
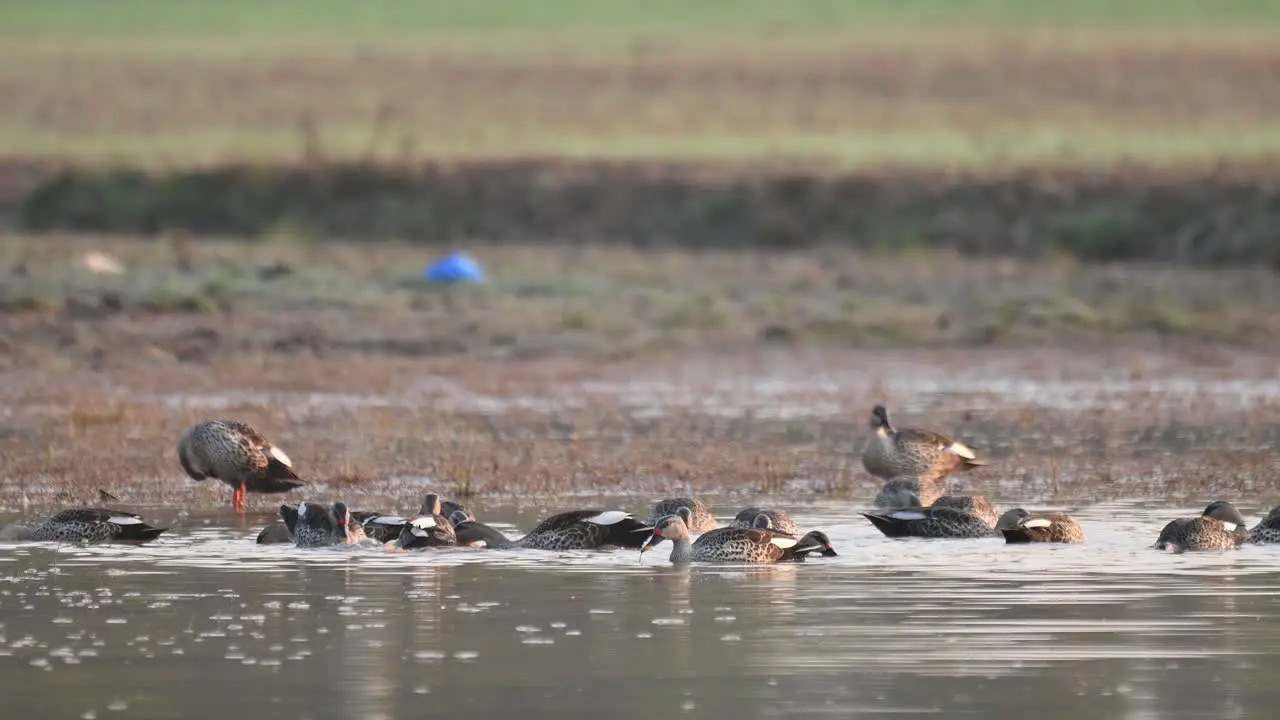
(921, 173)
(832, 83)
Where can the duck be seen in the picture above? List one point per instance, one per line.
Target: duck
(1267, 531)
(455, 512)
(700, 517)
(907, 491)
(385, 528)
(428, 529)
(1019, 526)
(87, 525)
(972, 504)
(319, 525)
(1219, 527)
(778, 520)
(735, 544)
(891, 452)
(275, 534)
(574, 530)
(932, 522)
(238, 455)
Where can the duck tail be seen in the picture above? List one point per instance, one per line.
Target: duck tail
(895, 524)
(628, 533)
(275, 478)
(139, 532)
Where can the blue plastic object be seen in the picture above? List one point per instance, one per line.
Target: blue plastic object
(454, 268)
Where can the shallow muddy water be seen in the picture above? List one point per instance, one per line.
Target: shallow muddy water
(204, 623)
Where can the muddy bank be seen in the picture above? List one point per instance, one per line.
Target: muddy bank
(1211, 216)
(1084, 425)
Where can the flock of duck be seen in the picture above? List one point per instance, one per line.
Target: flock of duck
(913, 463)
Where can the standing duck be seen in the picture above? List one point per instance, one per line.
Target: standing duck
(1020, 526)
(735, 544)
(88, 525)
(778, 520)
(1219, 527)
(318, 525)
(700, 519)
(239, 456)
(932, 522)
(891, 452)
(574, 530)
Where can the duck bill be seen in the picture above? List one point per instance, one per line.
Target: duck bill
(650, 543)
(829, 551)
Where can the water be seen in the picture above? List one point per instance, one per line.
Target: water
(204, 623)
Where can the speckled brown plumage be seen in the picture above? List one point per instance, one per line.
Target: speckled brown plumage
(700, 519)
(1267, 531)
(972, 504)
(735, 544)
(908, 491)
(777, 520)
(88, 525)
(428, 529)
(1020, 526)
(586, 530)
(316, 524)
(387, 527)
(891, 452)
(1220, 527)
(937, 522)
(239, 456)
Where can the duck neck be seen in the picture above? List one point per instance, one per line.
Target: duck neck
(476, 531)
(681, 550)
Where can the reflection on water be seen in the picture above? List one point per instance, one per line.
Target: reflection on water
(204, 623)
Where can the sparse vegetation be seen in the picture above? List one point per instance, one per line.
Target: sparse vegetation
(554, 427)
(637, 179)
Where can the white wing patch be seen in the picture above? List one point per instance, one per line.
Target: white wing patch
(959, 449)
(608, 517)
(783, 542)
(302, 509)
(426, 521)
(279, 455)
(387, 520)
(124, 520)
(1037, 523)
(907, 515)
(1228, 526)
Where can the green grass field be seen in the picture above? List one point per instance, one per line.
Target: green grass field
(932, 82)
(295, 18)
